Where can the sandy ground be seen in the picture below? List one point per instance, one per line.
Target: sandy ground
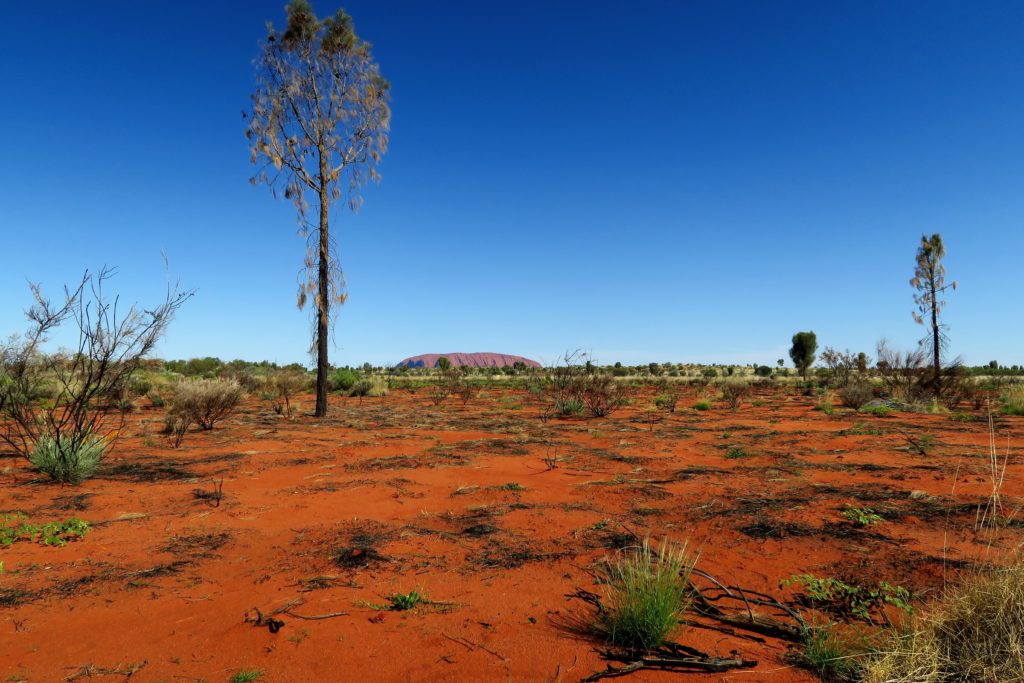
(395, 494)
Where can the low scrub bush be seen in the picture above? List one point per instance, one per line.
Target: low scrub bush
(646, 591)
(66, 459)
(602, 394)
(974, 633)
(856, 394)
(702, 405)
(342, 380)
(733, 392)
(205, 401)
(1013, 400)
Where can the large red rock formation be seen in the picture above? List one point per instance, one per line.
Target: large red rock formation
(476, 360)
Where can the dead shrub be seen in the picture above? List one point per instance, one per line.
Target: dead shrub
(974, 633)
(602, 394)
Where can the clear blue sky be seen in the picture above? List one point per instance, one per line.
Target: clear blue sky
(665, 180)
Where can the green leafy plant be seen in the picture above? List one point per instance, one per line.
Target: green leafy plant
(15, 528)
(877, 410)
(736, 452)
(646, 592)
(702, 405)
(850, 599)
(862, 516)
(402, 602)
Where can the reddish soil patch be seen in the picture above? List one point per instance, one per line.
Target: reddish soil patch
(394, 494)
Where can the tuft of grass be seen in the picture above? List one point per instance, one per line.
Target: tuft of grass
(735, 453)
(1013, 400)
(246, 676)
(830, 653)
(878, 411)
(702, 405)
(646, 591)
(512, 486)
(975, 632)
(569, 406)
(68, 460)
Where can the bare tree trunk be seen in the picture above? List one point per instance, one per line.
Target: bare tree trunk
(323, 309)
(937, 361)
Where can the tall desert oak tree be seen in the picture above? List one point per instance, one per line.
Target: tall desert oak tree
(929, 283)
(317, 130)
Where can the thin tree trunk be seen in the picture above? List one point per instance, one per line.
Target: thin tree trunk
(935, 340)
(323, 309)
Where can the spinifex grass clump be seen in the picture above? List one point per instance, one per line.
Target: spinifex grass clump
(975, 633)
(67, 459)
(646, 591)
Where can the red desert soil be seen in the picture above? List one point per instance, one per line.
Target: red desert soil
(394, 494)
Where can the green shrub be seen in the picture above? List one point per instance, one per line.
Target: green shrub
(862, 516)
(850, 599)
(702, 405)
(68, 460)
(246, 676)
(667, 402)
(646, 592)
(342, 379)
(734, 391)
(877, 410)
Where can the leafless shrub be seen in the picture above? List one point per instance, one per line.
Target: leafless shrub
(84, 386)
(845, 366)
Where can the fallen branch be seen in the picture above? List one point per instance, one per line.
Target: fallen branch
(671, 657)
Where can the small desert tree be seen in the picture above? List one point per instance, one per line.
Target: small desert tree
(805, 345)
(59, 409)
(318, 129)
(929, 283)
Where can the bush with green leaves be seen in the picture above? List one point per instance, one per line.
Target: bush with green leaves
(852, 600)
(646, 592)
(343, 380)
(1013, 400)
(15, 528)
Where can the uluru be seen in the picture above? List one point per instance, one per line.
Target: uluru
(473, 360)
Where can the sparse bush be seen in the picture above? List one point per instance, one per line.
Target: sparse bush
(646, 592)
(667, 401)
(856, 394)
(602, 394)
(733, 392)
(974, 633)
(67, 460)
(205, 401)
(283, 386)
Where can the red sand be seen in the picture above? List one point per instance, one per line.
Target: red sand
(165, 579)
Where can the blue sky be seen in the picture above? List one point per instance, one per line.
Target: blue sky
(666, 181)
